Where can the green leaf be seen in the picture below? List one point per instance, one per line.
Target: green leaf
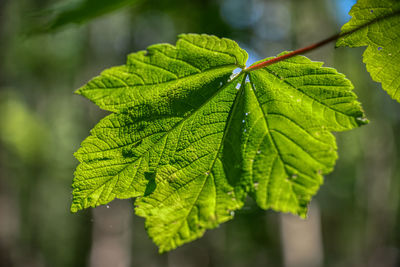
(381, 36)
(80, 11)
(191, 141)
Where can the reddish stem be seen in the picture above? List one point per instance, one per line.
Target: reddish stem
(293, 53)
(316, 45)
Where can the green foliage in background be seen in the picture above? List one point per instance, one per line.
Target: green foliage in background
(382, 39)
(191, 140)
(27, 143)
(81, 11)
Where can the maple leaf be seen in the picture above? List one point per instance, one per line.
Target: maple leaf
(380, 22)
(191, 141)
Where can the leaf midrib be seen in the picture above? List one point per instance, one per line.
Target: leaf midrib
(118, 107)
(157, 84)
(279, 155)
(227, 126)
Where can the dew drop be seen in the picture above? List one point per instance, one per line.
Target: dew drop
(233, 76)
(294, 176)
(247, 113)
(220, 83)
(244, 130)
(247, 79)
(232, 213)
(372, 11)
(389, 54)
(281, 78)
(380, 48)
(259, 152)
(243, 121)
(362, 119)
(238, 86)
(207, 173)
(108, 206)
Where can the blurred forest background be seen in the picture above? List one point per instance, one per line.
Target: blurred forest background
(353, 220)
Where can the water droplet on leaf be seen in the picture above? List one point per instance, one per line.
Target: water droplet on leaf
(233, 76)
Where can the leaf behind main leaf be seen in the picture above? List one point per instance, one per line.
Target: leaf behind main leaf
(79, 11)
(381, 37)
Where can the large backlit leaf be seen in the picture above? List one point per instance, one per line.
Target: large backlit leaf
(191, 141)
